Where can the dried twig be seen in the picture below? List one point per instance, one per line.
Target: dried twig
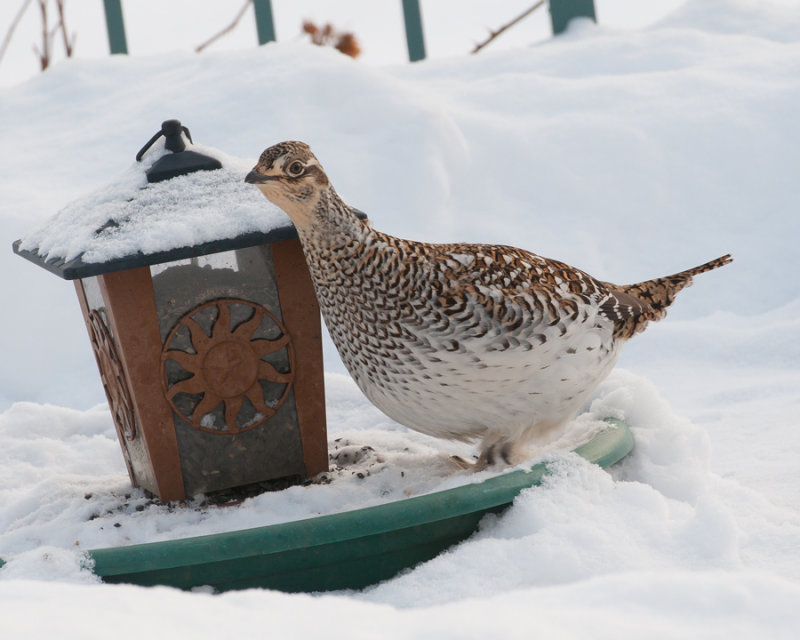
(14, 23)
(494, 34)
(227, 29)
(44, 54)
(69, 43)
(48, 35)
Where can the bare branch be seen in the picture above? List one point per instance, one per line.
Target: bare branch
(44, 54)
(14, 23)
(494, 34)
(227, 29)
(69, 43)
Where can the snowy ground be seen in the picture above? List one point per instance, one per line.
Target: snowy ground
(628, 154)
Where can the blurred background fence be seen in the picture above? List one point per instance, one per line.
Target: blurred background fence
(561, 12)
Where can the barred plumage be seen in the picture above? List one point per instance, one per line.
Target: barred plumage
(461, 341)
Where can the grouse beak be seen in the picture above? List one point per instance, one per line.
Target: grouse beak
(254, 177)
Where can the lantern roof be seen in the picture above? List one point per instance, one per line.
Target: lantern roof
(132, 222)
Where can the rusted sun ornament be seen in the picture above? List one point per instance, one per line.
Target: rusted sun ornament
(227, 366)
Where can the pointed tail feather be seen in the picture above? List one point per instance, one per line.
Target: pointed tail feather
(708, 266)
(632, 306)
(660, 292)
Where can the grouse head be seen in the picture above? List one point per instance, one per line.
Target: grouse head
(290, 176)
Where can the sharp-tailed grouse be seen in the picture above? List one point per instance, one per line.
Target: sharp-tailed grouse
(460, 341)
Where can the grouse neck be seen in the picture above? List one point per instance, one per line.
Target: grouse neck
(334, 225)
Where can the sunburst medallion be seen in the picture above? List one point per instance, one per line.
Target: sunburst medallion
(227, 366)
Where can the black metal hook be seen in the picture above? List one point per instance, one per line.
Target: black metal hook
(171, 130)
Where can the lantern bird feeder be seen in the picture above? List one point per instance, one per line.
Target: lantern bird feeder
(209, 342)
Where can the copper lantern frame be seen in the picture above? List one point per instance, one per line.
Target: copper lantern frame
(163, 397)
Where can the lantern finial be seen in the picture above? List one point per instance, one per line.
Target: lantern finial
(179, 162)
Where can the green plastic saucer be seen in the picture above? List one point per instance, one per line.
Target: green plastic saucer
(347, 550)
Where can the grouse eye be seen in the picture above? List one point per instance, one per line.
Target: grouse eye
(295, 169)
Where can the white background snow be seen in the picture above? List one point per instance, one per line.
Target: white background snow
(630, 153)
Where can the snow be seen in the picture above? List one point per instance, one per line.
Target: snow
(130, 216)
(630, 154)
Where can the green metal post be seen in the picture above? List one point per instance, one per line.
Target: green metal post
(413, 18)
(264, 22)
(562, 11)
(116, 26)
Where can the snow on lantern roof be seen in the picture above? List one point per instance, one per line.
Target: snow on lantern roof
(131, 222)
